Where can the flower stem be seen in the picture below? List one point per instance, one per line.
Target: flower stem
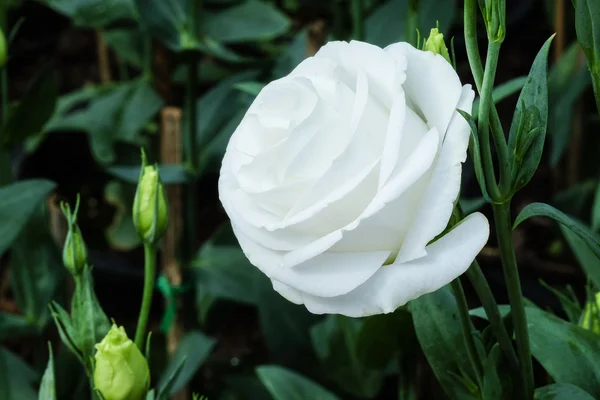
(470, 22)
(595, 73)
(482, 288)
(503, 224)
(467, 328)
(358, 15)
(412, 20)
(149, 275)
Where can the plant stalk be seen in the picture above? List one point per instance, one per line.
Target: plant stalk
(470, 22)
(358, 16)
(503, 224)
(4, 69)
(484, 293)
(467, 328)
(149, 276)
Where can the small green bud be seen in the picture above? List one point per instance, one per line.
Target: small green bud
(150, 212)
(74, 249)
(591, 315)
(435, 43)
(3, 49)
(121, 371)
(494, 15)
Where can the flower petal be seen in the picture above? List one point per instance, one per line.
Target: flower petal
(394, 285)
(444, 186)
(431, 85)
(327, 274)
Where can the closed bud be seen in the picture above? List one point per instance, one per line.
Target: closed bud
(591, 315)
(121, 371)
(435, 43)
(74, 249)
(494, 15)
(3, 49)
(150, 213)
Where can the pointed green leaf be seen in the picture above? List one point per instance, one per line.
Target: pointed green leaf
(48, 387)
(528, 128)
(284, 384)
(588, 260)
(561, 391)
(496, 382)
(436, 320)
(475, 152)
(194, 349)
(65, 328)
(589, 237)
(18, 202)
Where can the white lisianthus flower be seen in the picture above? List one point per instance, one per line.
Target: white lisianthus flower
(342, 173)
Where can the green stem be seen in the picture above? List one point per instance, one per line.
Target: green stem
(503, 224)
(149, 275)
(467, 328)
(412, 20)
(358, 15)
(482, 288)
(470, 22)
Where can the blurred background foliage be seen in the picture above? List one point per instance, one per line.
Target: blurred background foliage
(88, 84)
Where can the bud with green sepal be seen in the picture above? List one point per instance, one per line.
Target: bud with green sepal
(121, 371)
(435, 44)
(150, 211)
(494, 15)
(74, 250)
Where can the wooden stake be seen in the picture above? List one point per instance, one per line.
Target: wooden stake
(171, 152)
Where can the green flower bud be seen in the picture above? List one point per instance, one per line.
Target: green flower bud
(591, 315)
(74, 249)
(121, 371)
(435, 43)
(3, 49)
(150, 212)
(494, 15)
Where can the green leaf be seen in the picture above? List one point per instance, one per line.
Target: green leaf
(496, 382)
(436, 320)
(252, 88)
(528, 128)
(382, 337)
(561, 391)
(18, 202)
(387, 24)
(121, 233)
(569, 353)
(253, 20)
(501, 92)
(336, 343)
(284, 384)
(193, 350)
(16, 378)
(587, 15)
(475, 153)
(12, 326)
(169, 22)
(37, 268)
(128, 45)
(567, 81)
(34, 110)
(588, 236)
(94, 13)
(47, 386)
(588, 260)
(66, 331)
(90, 323)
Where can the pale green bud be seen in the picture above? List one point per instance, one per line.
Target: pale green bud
(121, 371)
(591, 315)
(3, 49)
(150, 212)
(435, 43)
(74, 249)
(494, 15)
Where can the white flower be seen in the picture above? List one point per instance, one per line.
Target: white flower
(342, 173)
